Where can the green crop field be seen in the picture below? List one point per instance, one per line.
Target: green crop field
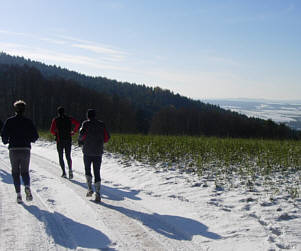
(229, 162)
(200, 153)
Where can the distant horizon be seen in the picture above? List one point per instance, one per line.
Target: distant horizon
(288, 112)
(255, 99)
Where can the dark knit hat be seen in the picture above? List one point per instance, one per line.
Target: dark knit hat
(91, 113)
(60, 110)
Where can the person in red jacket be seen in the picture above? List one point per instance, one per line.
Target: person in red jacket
(63, 127)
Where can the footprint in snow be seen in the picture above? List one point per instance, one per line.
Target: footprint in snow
(267, 204)
(52, 202)
(286, 217)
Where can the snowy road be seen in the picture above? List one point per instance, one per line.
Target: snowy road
(61, 217)
(142, 209)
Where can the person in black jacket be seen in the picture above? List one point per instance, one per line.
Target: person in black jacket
(61, 128)
(92, 135)
(19, 132)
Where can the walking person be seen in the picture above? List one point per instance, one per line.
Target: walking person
(19, 132)
(63, 127)
(92, 135)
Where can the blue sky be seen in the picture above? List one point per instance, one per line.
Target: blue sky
(200, 49)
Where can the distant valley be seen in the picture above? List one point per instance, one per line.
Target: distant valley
(288, 112)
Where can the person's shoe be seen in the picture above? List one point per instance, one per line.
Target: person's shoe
(28, 194)
(97, 198)
(19, 198)
(70, 174)
(97, 191)
(89, 193)
(64, 175)
(89, 183)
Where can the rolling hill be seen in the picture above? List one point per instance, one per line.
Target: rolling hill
(142, 109)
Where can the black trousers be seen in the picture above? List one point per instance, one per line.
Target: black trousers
(19, 160)
(64, 145)
(96, 160)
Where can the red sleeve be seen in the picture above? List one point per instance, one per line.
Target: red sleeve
(76, 124)
(106, 135)
(82, 134)
(53, 127)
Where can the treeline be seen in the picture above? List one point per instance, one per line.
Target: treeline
(214, 122)
(43, 96)
(125, 107)
(145, 100)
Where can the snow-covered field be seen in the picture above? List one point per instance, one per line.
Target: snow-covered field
(288, 112)
(143, 208)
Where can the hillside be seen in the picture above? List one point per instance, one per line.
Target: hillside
(127, 107)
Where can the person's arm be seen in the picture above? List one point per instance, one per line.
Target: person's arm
(82, 134)
(53, 128)
(5, 133)
(34, 134)
(76, 126)
(106, 135)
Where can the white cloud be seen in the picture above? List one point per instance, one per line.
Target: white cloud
(54, 41)
(113, 54)
(61, 59)
(12, 33)
(41, 48)
(6, 46)
(110, 54)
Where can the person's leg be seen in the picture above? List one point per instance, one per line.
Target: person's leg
(60, 150)
(68, 157)
(24, 166)
(96, 168)
(87, 163)
(68, 153)
(97, 179)
(15, 164)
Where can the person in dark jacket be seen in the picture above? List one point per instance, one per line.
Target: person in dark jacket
(92, 135)
(19, 132)
(63, 127)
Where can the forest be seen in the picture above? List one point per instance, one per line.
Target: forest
(125, 107)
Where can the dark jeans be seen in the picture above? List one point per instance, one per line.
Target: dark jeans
(96, 160)
(19, 160)
(61, 146)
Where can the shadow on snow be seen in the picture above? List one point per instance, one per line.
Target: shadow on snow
(6, 177)
(69, 233)
(174, 227)
(119, 193)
